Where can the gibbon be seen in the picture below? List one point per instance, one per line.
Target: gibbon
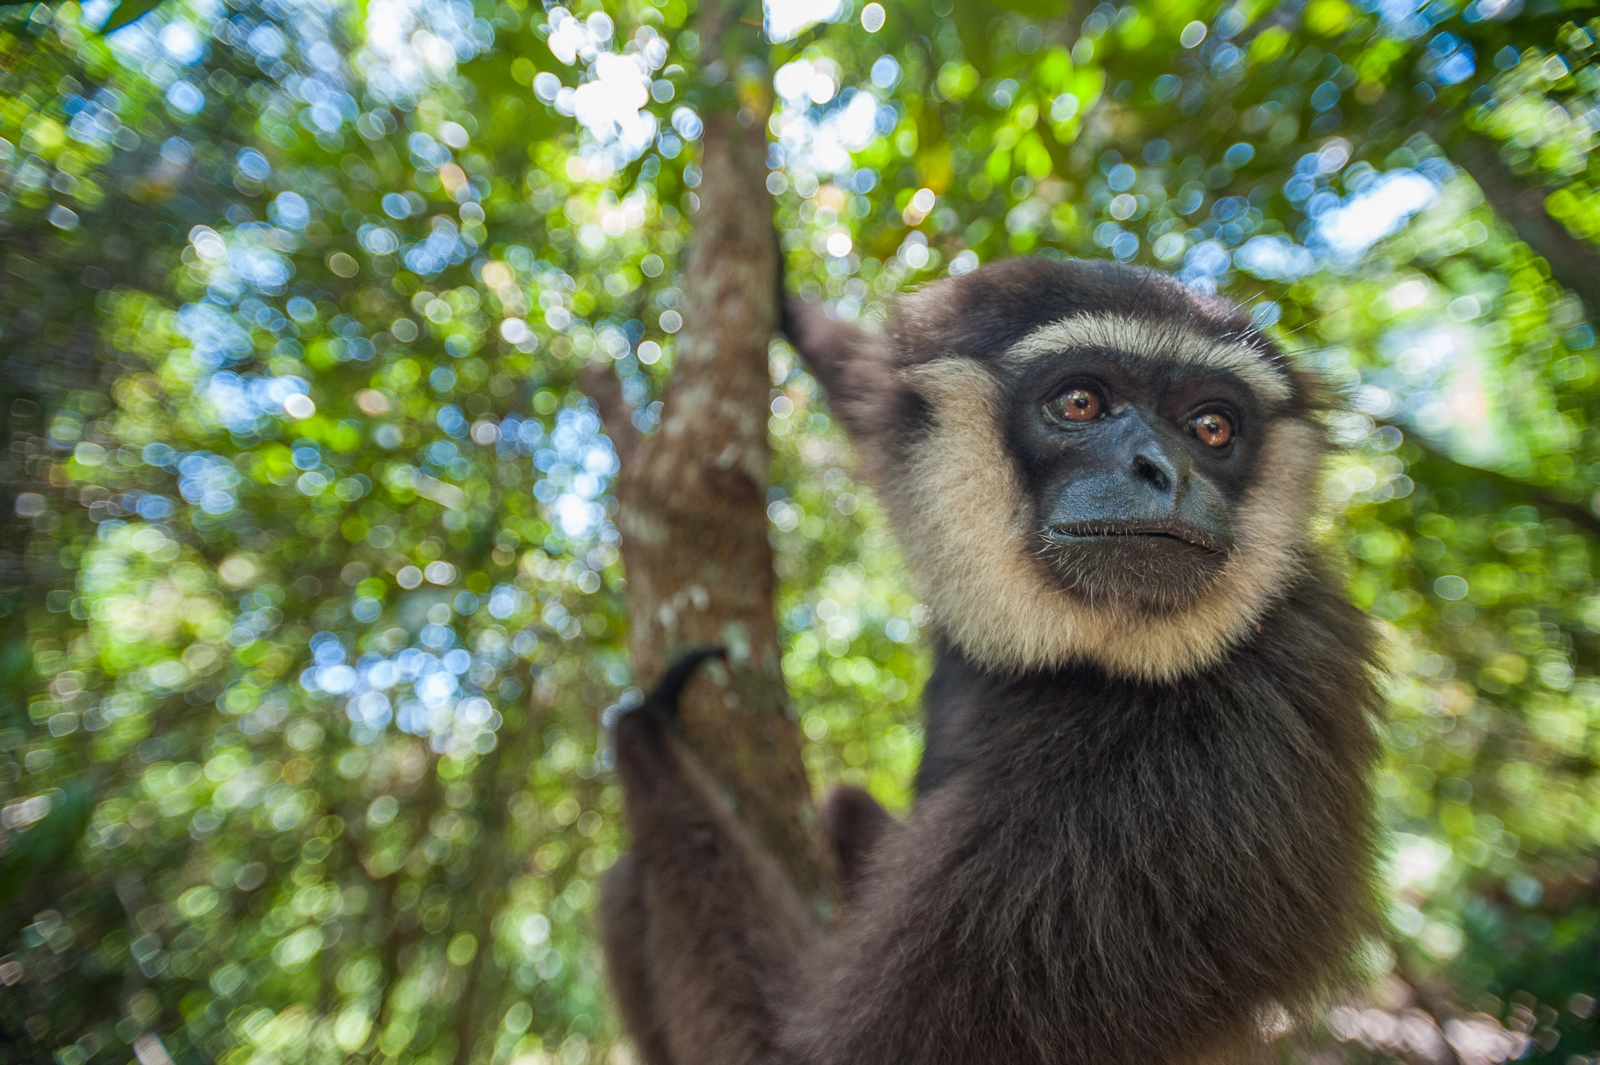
(1143, 825)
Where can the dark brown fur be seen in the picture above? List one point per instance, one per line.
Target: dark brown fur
(855, 824)
(1099, 869)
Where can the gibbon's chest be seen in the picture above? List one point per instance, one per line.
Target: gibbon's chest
(1122, 841)
(1139, 778)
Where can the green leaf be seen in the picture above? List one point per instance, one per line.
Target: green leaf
(129, 11)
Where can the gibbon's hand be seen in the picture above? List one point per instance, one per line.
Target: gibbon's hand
(663, 698)
(643, 754)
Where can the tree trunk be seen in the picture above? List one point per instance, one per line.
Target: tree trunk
(488, 889)
(692, 496)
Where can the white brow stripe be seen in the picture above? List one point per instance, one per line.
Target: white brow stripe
(1166, 343)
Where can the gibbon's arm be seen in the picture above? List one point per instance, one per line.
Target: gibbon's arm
(723, 929)
(729, 967)
(854, 366)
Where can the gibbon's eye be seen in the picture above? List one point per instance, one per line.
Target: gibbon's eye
(1213, 428)
(1077, 405)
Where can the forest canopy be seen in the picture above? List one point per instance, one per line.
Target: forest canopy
(311, 607)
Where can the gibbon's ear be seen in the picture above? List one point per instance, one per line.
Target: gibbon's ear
(854, 365)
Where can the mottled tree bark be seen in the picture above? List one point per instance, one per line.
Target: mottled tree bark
(692, 496)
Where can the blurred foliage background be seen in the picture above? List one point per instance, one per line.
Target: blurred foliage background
(309, 597)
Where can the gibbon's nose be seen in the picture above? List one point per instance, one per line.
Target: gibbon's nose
(1161, 484)
(1153, 466)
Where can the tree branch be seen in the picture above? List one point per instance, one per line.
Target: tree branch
(1435, 469)
(1574, 262)
(692, 496)
(715, 18)
(600, 384)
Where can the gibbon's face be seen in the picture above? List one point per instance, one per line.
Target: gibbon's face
(1095, 464)
(1134, 467)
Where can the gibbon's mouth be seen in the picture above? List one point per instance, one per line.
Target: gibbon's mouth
(1109, 531)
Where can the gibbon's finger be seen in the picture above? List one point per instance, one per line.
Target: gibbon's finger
(644, 755)
(663, 698)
